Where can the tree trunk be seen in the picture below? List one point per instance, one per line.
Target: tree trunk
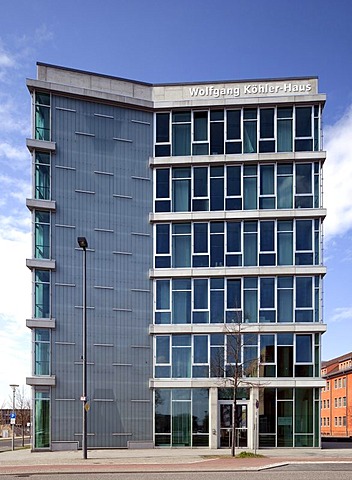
(233, 433)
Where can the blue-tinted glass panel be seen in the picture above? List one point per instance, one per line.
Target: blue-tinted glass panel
(162, 238)
(216, 138)
(162, 127)
(162, 349)
(200, 122)
(200, 293)
(304, 349)
(234, 293)
(303, 121)
(267, 292)
(162, 183)
(233, 124)
(304, 292)
(200, 344)
(233, 184)
(163, 294)
(200, 232)
(200, 176)
(216, 194)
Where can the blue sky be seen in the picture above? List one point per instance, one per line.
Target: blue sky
(172, 41)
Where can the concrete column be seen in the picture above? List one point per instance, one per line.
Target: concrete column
(213, 417)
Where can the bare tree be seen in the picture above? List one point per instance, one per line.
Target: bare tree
(23, 408)
(238, 364)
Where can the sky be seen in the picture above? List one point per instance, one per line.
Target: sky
(161, 41)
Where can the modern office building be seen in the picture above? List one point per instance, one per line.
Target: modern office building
(202, 207)
(336, 397)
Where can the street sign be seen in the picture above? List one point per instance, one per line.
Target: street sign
(12, 415)
(12, 421)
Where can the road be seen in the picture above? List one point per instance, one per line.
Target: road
(6, 443)
(308, 471)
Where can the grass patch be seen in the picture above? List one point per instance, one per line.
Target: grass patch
(249, 455)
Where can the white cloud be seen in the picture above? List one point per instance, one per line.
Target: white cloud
(15, 307)
(341, 314)
(337, 176)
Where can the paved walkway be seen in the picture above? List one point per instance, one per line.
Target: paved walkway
(159, 460)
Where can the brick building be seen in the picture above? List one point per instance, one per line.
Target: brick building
(336, 397)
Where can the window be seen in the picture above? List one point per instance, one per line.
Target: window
(181, 301)
(304, 299)
(236, 131)
(267, 187)
(162, 194)
(42, 293)
(181, 356)
(284, 129)
(181, 133)
(216, 132)
(304, 356)
(200, 145)
(163, 302)
(216, 244)
(303, 127)
(42, 351)
(304, 242)
(162, 356)
(182, 417)
(233, 131)
(42, 418)
(266, 127)
(162, 247)
(162, 132)
(42, 116)
(304, 185)
(181, 245)
(235, 300)
(267, 312)
(181, 189)
(200, 256)
(42, 176)
(41, 234)
(250, 130)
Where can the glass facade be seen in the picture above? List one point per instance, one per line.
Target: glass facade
(253, 209)
(238, 187)
(255, 355)
(238, 243)
(289, 417)
(236, 131)
(42, 418)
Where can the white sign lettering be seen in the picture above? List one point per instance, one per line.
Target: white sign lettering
(250, 89)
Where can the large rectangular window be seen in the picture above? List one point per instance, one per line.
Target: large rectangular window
(41, 293)
(42, 351)
(181, 133)
(41, 234)
(42, 116)
(42, 176)
(42, 418)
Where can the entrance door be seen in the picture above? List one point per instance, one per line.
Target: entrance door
(225, 416)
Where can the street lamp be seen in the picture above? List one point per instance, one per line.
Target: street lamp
(82, 242)
(13, 417)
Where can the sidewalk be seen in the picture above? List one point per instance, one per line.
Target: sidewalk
(159, 460)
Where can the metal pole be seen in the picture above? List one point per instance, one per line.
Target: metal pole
(84, 358)
(13, 411)
(82, 242)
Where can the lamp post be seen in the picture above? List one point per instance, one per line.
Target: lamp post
(13, 419)
(82, 242)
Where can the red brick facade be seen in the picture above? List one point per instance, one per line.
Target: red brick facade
(336, 397)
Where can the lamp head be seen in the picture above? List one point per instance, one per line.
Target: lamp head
(82, 242)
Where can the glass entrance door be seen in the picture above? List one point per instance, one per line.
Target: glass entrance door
(225, 417)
